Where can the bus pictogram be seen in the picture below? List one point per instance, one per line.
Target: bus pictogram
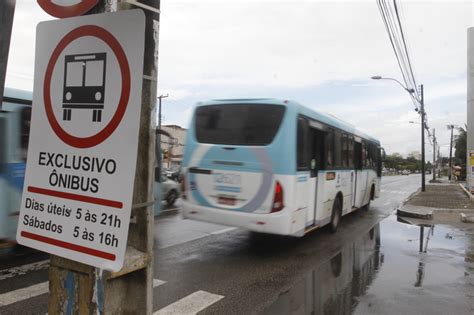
(84, 84)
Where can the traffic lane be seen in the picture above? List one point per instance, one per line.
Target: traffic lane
(251, 270)
(18, 256)
(400, 178)
(171, 229)
(395, 190)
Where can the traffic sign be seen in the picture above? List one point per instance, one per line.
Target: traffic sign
(67, 8)
(82, 154)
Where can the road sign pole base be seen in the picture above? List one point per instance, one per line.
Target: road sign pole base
(84, 289)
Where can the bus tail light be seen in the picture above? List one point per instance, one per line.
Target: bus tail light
(278, 203)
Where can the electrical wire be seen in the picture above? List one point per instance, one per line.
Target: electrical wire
(392, 22)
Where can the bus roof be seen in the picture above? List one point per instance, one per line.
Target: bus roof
(314, 114)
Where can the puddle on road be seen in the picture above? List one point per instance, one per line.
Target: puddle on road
(383, 272)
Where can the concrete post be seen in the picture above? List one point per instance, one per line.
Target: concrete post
(7, 11)
(80, 289)
(422, 115)
(470, 108)
(434, 155)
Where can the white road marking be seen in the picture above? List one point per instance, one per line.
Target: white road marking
(24, 293)
(39, 289)
(158, 282)
(21, 270)
(190, 304)
(224, 231)
(169, 210)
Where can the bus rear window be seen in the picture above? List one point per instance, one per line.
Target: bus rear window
(238, 124)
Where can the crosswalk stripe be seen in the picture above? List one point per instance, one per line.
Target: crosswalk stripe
(24, 293)
(38, 289)
(158, 282)
(224, 231)
(190, 304)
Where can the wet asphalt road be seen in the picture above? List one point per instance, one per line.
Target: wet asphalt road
(252, 271)
(239, 271)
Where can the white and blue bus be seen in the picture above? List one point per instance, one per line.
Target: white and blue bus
(14, 134)
(275, 166)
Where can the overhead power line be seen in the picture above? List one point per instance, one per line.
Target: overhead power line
(391, 20)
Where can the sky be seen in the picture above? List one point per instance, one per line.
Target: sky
(318, 53)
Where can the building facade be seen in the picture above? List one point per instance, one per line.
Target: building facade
(172, 147)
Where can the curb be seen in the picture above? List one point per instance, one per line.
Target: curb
(417, 215)
(471, 197)
(411, 196)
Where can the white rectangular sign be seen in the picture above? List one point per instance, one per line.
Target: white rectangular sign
(82, 153)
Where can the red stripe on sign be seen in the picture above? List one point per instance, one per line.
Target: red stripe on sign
(65, 195)
(70, 246)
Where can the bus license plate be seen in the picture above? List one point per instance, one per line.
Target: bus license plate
(226, 201)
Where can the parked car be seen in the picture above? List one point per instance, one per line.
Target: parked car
(173, 174)
(170, 190)
(405, 172)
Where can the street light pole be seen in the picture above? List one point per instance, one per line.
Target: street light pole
(158, 144)
(450, 151)
(434, 155)
(422, 112)
(159, 109)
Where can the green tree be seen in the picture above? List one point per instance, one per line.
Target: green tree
(460, 143)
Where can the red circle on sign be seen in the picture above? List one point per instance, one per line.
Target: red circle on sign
(64, 11)
(109, 39)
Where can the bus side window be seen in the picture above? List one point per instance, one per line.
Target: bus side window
(337, 149)
(379, 162)
(350, 151)
(317, 140)
(329, 149)
(302, 147)
(364, 154)
(371, 155)
(345, 150)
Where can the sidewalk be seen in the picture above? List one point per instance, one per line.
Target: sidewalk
(441, 202)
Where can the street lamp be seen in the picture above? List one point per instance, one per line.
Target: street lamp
(450, 150)
(158, 142)
(377, 77)
(422, 114)
(159, 109)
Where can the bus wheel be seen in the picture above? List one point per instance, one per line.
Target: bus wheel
(336, 214)
(372, 197)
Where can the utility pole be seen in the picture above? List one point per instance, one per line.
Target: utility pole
(77, 288)
(450, 151)
(7, 11)
(434, 155)
(422, 112)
